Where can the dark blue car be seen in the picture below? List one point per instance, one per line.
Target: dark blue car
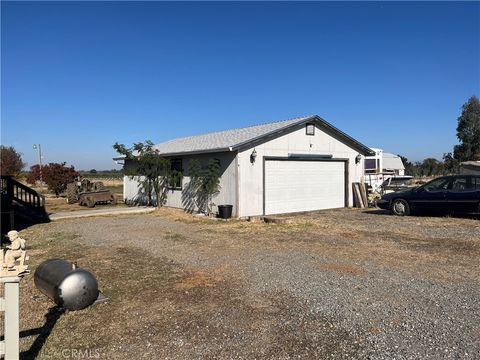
(447, 194)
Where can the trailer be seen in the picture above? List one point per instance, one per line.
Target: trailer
(381, 167)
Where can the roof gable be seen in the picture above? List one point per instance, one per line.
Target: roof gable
(229, 140)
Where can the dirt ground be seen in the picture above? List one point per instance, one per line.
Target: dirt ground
(332, 284)
(55, 204)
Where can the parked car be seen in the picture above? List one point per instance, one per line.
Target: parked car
(447, 194)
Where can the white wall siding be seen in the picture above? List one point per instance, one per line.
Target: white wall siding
(184, 198)
(295, 142)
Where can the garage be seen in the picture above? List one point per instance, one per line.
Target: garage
(294, 185)
(294, 165)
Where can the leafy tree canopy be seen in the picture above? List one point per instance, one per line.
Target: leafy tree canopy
(468, 132)
(450, 164)
(10, 161)
(57, 176)
(34, 174)
(431, 167)
(427, 167)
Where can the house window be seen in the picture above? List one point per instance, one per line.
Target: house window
(310, 129)
(175, 183)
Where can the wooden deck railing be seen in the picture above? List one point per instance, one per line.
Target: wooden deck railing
(12, 189)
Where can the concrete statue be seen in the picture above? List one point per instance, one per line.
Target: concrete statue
(13, 257)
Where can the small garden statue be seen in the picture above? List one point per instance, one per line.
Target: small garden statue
(13, 256)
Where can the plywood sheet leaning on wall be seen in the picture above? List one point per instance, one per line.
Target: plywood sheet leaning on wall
(360, 199)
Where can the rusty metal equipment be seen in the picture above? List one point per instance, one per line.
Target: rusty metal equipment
(69, 286)
(88, 193)
(90, 199)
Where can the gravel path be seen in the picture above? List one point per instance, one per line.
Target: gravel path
(340, 284)
(62, 215)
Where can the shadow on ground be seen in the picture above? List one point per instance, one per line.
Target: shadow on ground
(43, 332)
(424, 214)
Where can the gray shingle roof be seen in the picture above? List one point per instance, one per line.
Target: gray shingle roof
(224, 140)
(229, 140)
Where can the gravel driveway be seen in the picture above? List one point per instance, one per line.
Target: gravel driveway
(333, 284)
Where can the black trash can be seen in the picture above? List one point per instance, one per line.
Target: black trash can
(225, 211)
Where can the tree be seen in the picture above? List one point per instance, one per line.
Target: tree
(450, 164)
(93, 171)
(10, 161)
(205, 182)
(468, 132)
(416, 168)
(152, 170)
(431, 167)
(57, 176)
(34, 174)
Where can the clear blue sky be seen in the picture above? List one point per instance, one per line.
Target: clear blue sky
(79, 76)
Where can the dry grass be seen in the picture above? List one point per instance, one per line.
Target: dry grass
(154, 305)
(410, 244)
(155, 302)
(122, 274)
(56, 204)
(59, 204)
(201, 277)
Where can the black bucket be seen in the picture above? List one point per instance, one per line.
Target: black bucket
(225, 211)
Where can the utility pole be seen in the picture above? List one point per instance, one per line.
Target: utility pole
(39, 148)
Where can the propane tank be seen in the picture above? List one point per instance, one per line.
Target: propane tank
(69, 286)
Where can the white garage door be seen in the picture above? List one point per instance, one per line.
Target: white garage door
(294, 185)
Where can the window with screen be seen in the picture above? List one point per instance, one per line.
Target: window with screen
(175, 181)
(310, 129)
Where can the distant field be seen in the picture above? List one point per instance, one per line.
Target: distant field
(102, 174)
(115, 188)
(115, 182)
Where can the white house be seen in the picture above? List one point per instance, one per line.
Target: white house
(294, 165)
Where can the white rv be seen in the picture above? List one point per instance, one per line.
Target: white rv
(382, 166)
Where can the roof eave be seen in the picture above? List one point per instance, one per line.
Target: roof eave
(272, 133)
(193, 152)
(363, 149)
